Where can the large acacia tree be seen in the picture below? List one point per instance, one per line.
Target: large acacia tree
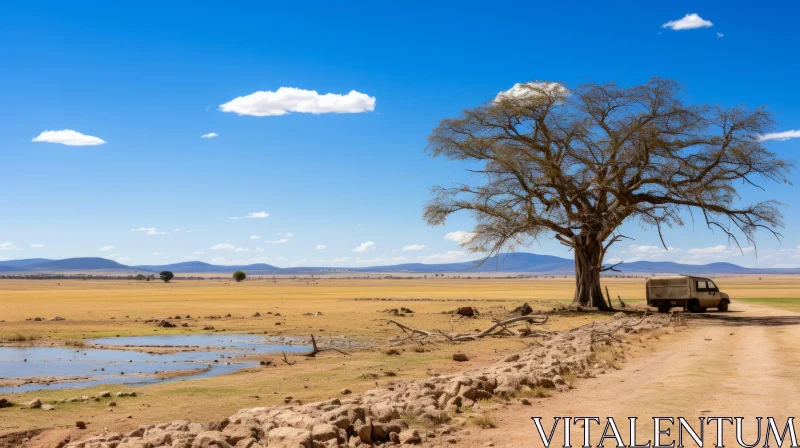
(579, 163)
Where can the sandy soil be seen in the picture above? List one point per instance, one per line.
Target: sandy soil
(743, 363)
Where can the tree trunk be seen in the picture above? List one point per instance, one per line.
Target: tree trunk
(588, 263)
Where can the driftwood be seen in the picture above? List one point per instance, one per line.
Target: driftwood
(313, 353)
(498, 329)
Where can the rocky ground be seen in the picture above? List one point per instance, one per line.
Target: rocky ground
(424, 412)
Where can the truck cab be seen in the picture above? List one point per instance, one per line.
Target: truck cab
(693, 294)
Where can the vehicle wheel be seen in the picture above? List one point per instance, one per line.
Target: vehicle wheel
(663, 308)
(703, 309)
(693, 306)
(723, 306)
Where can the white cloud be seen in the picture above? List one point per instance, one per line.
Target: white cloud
(199, 252)
(447, 257)
(255, 237)
(177, 230)
(412, 247)
(710, 250)
(149, 231)
(210, 135)
(532, 90)
(363, 247)
(259, 249)
(254, 215)
(241, 249)
(68, 137)
(121, 259)
(37, 246)
(338, 260)
(283, 240)
(218, 260)
(223, 247)
(382, 260)
(459, 236)
(158, 253)
(688, 22)
(8, 245)
(321, 247)
(785, 135)
(105, 248)
(720, 35)
(289, 99)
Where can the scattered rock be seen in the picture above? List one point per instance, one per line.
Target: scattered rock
(523, 310)
(48, 407)
(111, 404)
(165, 324)
(466, 311)
(105, 394)
(460, 357)
(345, 392)
(80, 425)
(32, 404)
(5, 403)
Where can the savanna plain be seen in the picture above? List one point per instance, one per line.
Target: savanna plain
(699, 364)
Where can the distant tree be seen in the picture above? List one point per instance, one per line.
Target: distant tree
(239, 276)
(139, 277)
(577, 164)
(166, 276)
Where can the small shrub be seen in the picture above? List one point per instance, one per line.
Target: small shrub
(441, 418)
(569, 378)
(78, 343)
(541, 392)
(484, 422)
(20, 337)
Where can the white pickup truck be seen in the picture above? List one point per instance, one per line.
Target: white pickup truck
(695, 294)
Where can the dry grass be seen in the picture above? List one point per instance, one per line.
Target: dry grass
(108, 308)
(483, 421)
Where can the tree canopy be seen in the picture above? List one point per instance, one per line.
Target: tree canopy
(166, 276)
(579, 163)
(239, 276)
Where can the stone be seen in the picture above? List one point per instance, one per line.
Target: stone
(410, 436)
(345, 392)
(111, 403)
(5, 403)
(48, 407)
(80, 424)
(460, 357)
(32, 404)
(105, 394)
(288, 436)
(324, 432)
(209, 439)
(466, 311)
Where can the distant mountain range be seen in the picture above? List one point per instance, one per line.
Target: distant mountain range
(506, 263)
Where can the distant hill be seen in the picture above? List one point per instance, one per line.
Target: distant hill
(201, 267)
(505, 263)
(67, 264)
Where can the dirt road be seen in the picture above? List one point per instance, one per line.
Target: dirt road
(742, 363)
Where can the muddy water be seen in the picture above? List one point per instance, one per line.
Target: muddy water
(60, 367)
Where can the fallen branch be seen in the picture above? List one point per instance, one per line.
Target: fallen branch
(313, 353)
(286, 360)
(501, 325)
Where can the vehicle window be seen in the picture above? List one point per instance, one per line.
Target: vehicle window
(712, 286)
(701, 286)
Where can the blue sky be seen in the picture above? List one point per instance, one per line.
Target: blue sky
(148, 79)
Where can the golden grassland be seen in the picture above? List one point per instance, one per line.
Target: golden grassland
(97, 308)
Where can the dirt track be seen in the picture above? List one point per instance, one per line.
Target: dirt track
(742, 363)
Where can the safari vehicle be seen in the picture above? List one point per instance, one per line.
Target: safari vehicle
(695, 294)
